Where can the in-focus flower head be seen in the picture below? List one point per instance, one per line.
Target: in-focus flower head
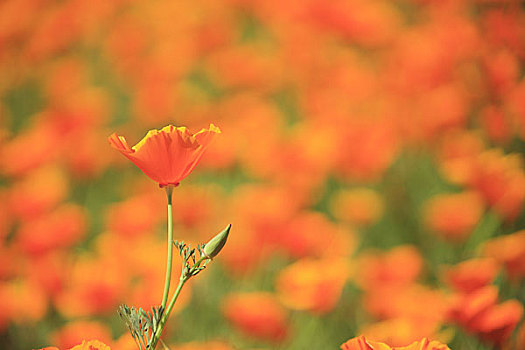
(168, 155)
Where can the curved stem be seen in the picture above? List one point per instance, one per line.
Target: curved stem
(169, 192)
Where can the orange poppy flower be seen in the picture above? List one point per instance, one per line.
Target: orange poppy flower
(397, 332)
(168, 155)
(425, 344)
(362, 343)
(91, 345)
(208, 345)
(85, 345)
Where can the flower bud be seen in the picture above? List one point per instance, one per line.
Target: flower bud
(214, 246)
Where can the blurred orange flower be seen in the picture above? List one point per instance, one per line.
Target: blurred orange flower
(75, 332)
(49, 272)
(16, 161)
(454, 216)
(480, 313)
(471, 275)
(457, 155)
(21, 301)
(500, 179)
(135, 216)
(496, 124)
(84, 295)
(124, 342)
(508, 250)
(498, 323)
(313, 284)
(423, 307)
(360, 206)
(61, 228)
(398, 267)
(38, 192)
(169, 155)
(257, 314)
(312, 234)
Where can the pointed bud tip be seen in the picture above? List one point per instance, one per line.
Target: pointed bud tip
(215, 245)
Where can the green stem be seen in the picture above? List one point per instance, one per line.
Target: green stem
(166, 314)
(184, 277)
(169, 192)
(141, 343)
(164, 345)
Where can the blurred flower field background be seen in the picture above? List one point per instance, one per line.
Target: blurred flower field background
(370, 163)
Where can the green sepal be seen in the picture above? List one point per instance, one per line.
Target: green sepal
(215, 245)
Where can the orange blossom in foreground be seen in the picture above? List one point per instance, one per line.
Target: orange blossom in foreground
(362, 343)
(168, 155)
